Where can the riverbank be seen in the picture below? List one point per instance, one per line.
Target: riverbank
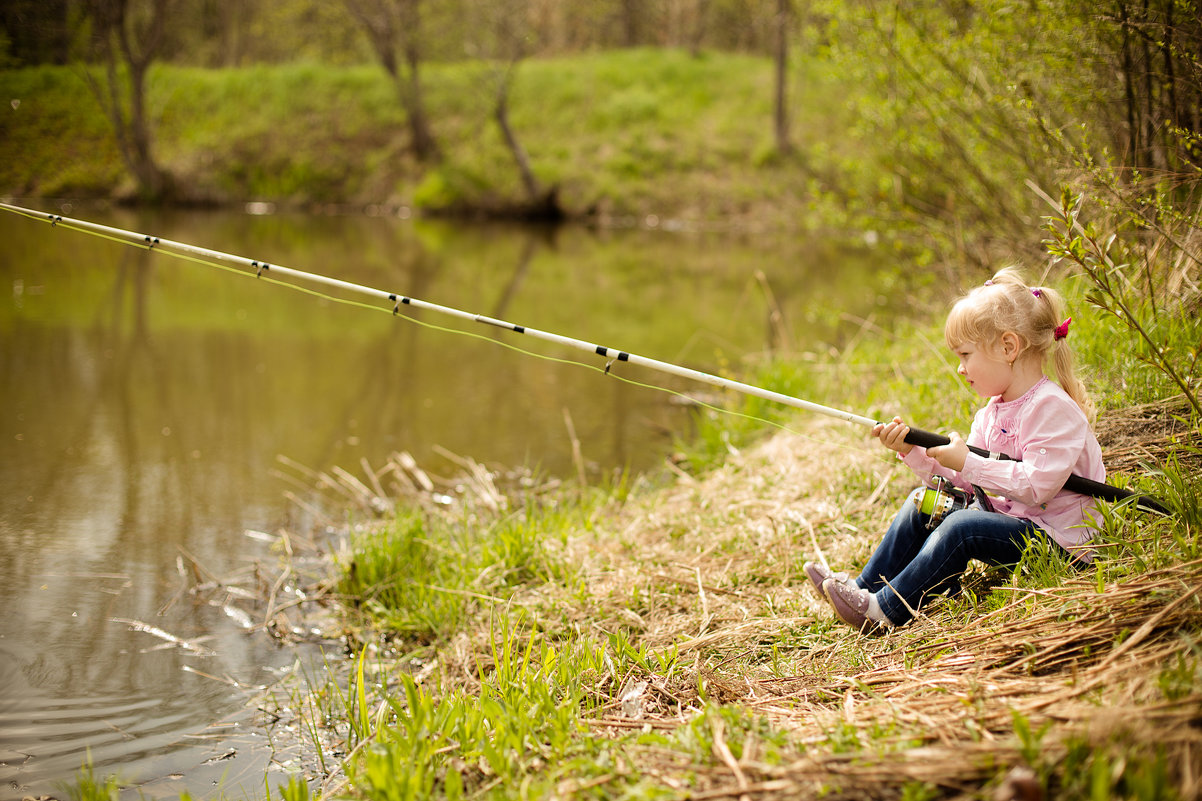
(659, 637)
(668, 642)
(618, 134)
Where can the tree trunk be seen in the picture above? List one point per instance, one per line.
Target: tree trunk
(630, 23)
(425, 146)
(126, 105)
(393, 25)
(783, 145)
(501, 114)
(1128, 68)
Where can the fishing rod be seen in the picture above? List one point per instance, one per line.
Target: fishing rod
(916, 436)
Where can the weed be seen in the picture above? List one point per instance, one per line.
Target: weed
(88, 788)
(1114, 769)
(523, 723)
(422, 576)
(296, 789)
(920, 791)
(1179, 680)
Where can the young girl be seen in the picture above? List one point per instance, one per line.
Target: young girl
(1002, 332)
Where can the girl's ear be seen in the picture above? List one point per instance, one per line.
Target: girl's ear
(1012, 346)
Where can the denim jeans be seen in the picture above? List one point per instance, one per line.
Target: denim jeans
(911, 564)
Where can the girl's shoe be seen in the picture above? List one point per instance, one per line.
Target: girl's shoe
(818, 573)
(850, 604)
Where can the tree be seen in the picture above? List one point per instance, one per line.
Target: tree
(509, 31)
(503, 39)
(1157, 48)
(394, 28)
(129, 35)
(782, 73)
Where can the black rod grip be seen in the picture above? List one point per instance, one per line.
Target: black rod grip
(1075, 483)
(1108, 492)
(925, 439)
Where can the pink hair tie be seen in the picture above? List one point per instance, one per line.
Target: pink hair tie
(1037, 293)
(1062, 330)
(989, 282)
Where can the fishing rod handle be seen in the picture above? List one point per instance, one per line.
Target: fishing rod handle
(1075, 483)
(929, 439)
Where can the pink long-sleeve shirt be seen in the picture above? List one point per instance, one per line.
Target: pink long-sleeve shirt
(1050, 434)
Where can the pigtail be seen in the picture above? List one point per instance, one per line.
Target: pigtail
(1053, 325)
(1062, 359)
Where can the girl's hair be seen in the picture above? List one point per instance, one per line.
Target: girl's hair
(1035, 314)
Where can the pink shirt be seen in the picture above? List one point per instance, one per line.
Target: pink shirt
(1050, 434)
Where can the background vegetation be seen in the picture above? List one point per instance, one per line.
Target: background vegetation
(915, 121)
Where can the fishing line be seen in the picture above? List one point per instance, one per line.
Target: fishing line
(916, 436)
(149, 243)
(607, 371)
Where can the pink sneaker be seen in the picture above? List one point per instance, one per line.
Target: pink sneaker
(818, 573)
(850, 604)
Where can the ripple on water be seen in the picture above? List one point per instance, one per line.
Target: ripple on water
(149, 742)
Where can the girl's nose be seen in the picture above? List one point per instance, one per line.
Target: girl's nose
(960, 369)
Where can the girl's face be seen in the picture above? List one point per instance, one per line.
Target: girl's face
(986, 369)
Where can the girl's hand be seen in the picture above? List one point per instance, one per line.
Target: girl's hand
(893, 435)
(952, 455)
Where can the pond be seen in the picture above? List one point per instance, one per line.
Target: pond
(147, 401)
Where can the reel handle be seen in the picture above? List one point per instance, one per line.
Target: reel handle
(1075, 483)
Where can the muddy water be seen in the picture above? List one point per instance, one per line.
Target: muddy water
(145, 401)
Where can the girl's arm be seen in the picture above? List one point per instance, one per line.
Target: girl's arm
(926, 467)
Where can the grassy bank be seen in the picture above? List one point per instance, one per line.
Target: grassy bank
(621, 133)
(658, 639)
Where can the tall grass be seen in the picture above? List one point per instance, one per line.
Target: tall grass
(425, 575)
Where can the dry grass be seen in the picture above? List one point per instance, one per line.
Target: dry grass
(714, 565)
(1138, 436)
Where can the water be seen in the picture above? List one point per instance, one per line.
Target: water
(146, 399)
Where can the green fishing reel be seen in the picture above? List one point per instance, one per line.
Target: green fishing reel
(942, 499)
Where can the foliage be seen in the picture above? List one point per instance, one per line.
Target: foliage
(1144, 299)
(974, 95)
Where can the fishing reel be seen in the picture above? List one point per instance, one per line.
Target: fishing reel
(939, 501)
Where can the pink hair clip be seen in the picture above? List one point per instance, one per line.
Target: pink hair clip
(1062, 330)
(989, 282)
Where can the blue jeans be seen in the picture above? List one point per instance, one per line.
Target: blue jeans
(911, 564)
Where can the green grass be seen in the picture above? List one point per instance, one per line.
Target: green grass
(627, 132)
(426, 575)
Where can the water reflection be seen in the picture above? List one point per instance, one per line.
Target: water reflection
(145, 400)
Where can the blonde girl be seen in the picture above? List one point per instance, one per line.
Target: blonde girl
(1003, 333)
